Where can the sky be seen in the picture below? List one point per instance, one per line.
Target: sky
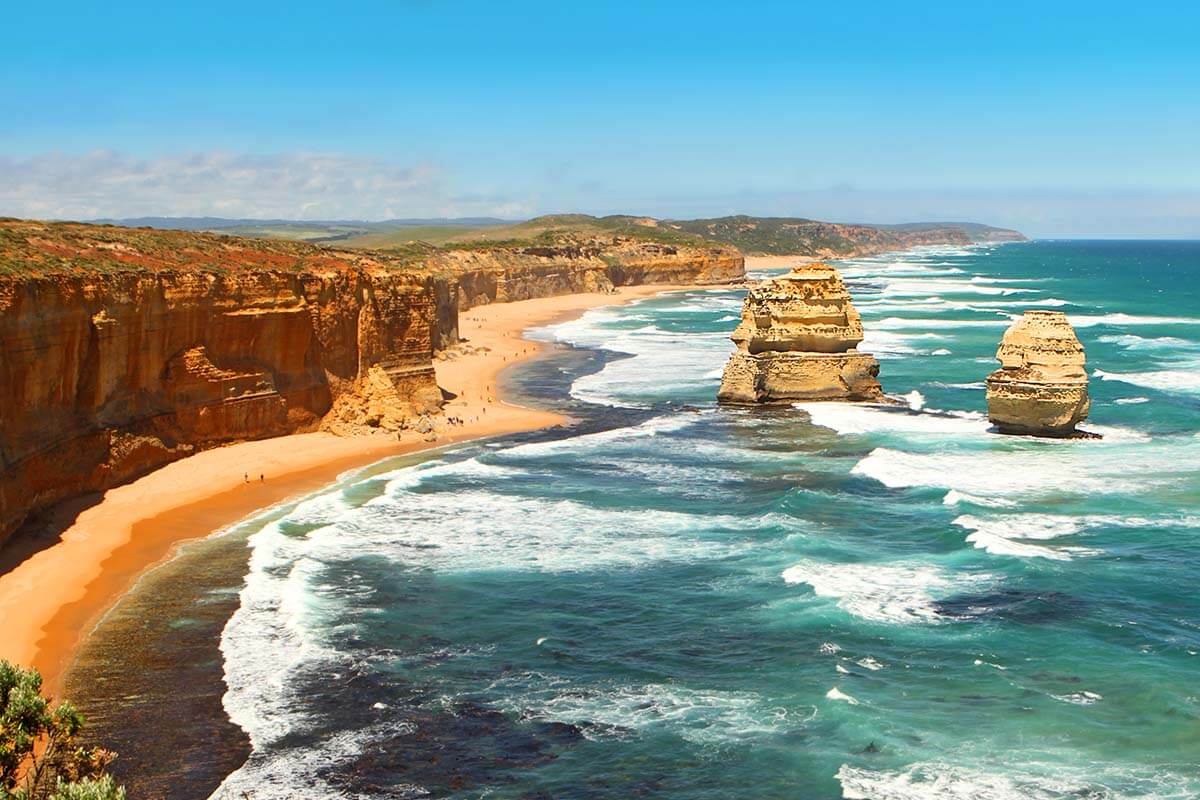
(1056, 118)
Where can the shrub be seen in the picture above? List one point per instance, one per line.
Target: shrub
(40, 757)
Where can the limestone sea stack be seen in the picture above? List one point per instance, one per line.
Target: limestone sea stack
(797, 341)
(1041, 388)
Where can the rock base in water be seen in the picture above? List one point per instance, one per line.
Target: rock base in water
(796, 377)
(1041, 386)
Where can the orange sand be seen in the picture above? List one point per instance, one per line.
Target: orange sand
(777, 262)
(50, 600)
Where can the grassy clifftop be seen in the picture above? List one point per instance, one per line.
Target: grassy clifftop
(404, 242)
(552, 229)
(34, 247)
(798, 236)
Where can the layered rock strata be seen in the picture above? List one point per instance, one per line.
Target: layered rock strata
(798, 341)
(103, 378)
(123, 349)
(594, 264)
(1041, 388)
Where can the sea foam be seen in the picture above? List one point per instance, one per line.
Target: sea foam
(890, 593)
(662, 364)
(701, 716)
(852, 418)
(1183, 381)
(998, 781)
(1041, 468)
(1002, 535)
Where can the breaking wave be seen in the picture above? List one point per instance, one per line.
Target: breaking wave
(890, 593)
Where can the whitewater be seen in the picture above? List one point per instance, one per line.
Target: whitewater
(674, 599)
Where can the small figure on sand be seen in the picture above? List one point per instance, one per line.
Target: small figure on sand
(246, 477)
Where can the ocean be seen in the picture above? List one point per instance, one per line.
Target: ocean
(676, 600)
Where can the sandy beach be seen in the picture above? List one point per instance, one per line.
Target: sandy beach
(778, 262)
(52, 594)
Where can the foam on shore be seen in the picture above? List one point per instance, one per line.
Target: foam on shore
(1000, 781)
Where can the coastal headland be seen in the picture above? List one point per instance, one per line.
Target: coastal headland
(160, 385)
(62, 577)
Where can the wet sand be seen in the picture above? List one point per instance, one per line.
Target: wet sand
(50, 599)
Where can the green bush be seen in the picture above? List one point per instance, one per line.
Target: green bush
(40, 757)
(89, 789)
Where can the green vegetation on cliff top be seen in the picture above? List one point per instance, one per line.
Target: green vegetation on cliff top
(769, 235)
(798, 236)
(565, 228)
(55, 247)
(32, 247)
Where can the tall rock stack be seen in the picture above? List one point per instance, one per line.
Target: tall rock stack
(1041, 386)
(797, 341)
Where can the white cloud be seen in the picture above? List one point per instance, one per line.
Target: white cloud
(306, 185)
(104, 183)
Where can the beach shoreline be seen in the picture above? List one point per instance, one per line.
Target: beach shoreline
(780, 262)
(51, 598)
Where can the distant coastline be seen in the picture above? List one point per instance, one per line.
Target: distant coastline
(753, 235)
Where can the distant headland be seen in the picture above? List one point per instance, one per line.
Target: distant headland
(790, 236)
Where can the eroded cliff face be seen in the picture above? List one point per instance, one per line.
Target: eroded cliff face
(124, 349)
(1041, 388)
(104, 377)
(469, 278)
(798, 340)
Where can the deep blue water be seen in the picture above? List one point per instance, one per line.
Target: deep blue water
(679, 601)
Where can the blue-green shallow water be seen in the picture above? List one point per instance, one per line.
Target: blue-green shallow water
(822, 602)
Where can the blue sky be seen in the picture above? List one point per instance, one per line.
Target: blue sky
(1056, 118)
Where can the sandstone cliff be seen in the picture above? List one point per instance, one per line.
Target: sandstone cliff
(798, 340)
(119, 353)
(123, 349)
(1041, 386)
(475, 277)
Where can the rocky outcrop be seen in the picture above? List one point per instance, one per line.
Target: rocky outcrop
(123, 349)
(1041, 387)
(797, 341)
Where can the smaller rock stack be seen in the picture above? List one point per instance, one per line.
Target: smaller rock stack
(797, 341)
(1041, 386)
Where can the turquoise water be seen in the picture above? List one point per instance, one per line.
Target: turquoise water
(679, 601)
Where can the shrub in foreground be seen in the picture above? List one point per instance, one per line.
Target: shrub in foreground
(40, 756)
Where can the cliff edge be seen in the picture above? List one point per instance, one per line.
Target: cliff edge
(123, 349)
